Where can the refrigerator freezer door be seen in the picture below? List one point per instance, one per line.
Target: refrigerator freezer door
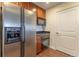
(11, 18)
(30, 33)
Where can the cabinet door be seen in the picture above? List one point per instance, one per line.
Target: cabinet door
(14, 3)
(38, 44)
(44, 13)
(40, 12)
(10, 3)
(25, 5)
(20, 4)
(0, 4)
(31, 6)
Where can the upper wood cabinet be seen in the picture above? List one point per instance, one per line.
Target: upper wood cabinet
(10, 3)
(0, 4)
(41, 12)
(14, 3)
(31, 5)
(24, 4)
(27, 5)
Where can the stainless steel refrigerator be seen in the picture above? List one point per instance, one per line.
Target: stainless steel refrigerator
(19, 31)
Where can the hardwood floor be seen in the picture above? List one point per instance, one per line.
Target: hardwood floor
(14, 50)
(52, 53)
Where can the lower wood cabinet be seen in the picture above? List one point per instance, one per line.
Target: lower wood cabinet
(38, 44)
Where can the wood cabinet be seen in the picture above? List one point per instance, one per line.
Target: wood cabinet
(0, 4)
(28, 5)
(31, 5)
(10, 3)
(24, 4)
(14, 3)
(41, 13)
(38, 44)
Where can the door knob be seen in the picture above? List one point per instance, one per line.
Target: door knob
(57, 32)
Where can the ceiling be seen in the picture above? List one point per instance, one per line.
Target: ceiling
(45, 5)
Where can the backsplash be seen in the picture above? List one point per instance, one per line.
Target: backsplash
(40, 28)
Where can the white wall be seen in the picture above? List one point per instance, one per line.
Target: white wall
(51, 20)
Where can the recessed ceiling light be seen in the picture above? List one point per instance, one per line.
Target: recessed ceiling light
(47, 2)
(34, 9)
(30, 12)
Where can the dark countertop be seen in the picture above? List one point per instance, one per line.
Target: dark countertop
(38, 32)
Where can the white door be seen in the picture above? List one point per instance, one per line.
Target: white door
(66, 31)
